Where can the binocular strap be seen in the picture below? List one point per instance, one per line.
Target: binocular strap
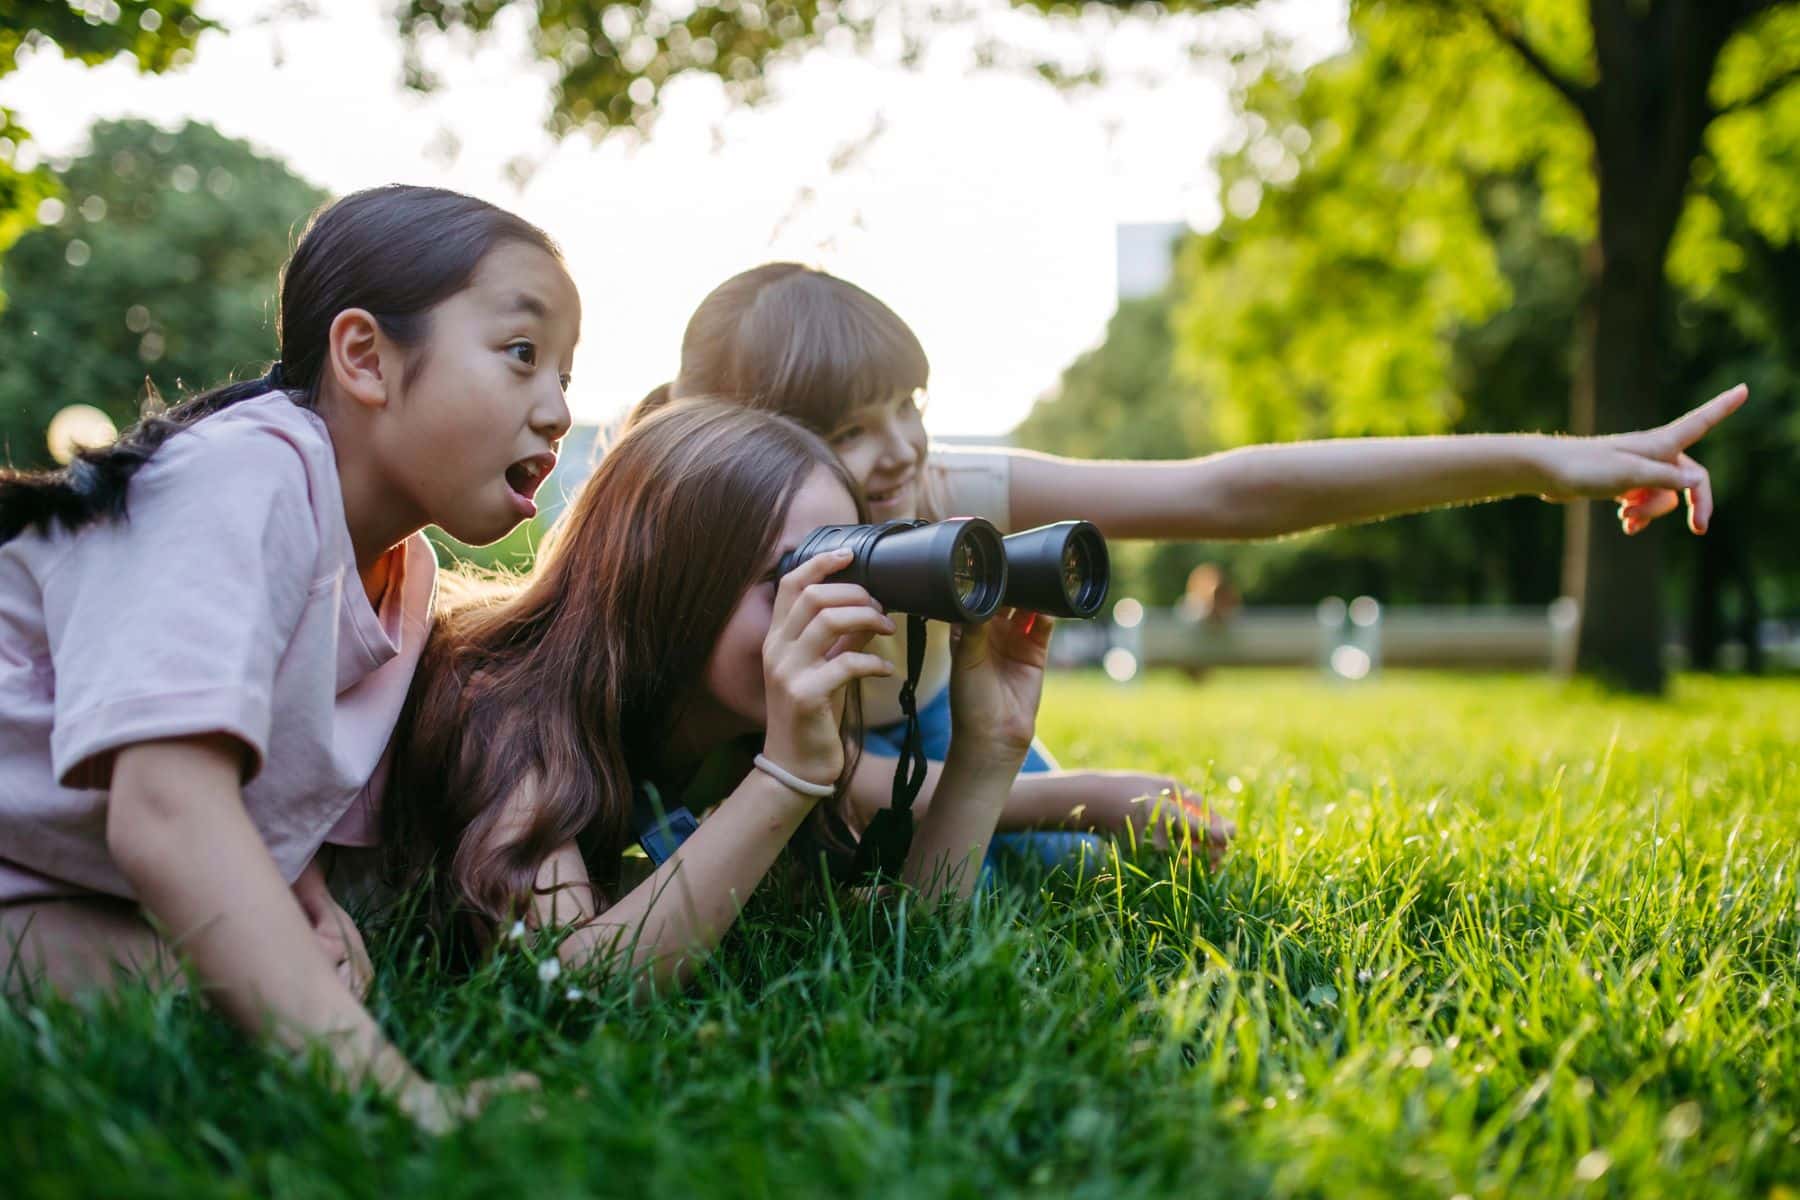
(882, 850)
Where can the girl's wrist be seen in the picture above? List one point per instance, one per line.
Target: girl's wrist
(813, 767)
(1537, 465)
(794, 783)
(986, 753)
(774, 796)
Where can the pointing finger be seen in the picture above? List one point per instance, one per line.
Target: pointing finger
(1694, 424)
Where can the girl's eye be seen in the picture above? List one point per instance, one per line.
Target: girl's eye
(848, 433)
(565, 380)
(525, 352)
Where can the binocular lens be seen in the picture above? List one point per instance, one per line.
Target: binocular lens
(1061, 569)
(966, 573)
(1076, 570)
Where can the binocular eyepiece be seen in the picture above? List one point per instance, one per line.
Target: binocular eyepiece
(962, 570)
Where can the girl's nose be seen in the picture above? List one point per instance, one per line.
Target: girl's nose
(896, 448)
(552, 417)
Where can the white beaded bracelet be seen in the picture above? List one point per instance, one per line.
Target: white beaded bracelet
(779, 773)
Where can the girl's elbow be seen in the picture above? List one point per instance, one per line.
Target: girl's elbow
(144, 833)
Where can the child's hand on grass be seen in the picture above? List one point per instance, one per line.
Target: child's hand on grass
(1160, 813)
(438, 1108)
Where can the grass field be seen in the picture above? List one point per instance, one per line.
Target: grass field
(1480, 936)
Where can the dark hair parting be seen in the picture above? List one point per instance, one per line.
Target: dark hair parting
(395, 251)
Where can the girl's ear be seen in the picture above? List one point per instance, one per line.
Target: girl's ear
(355, 349)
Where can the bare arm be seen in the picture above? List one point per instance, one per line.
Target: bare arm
(673, 919)
(1158, 808)
(996, 679)
(953, 837)
(177, 828)
(1040, 800)
(1271, 490)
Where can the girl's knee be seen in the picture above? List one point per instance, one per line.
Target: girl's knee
(79, 945)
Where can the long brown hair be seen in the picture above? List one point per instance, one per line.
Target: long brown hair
(574, 676)
(798, 341)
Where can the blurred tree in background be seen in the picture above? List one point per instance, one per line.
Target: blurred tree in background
(156, 34)
(1356, 240)
(1380, 270)
(156, 263)
(1510, 372)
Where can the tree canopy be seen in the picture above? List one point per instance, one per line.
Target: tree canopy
(156, 263)
(157, 35)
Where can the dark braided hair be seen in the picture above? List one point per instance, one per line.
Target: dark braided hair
(394, 251)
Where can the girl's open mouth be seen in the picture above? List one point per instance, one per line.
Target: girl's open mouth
(525, 477)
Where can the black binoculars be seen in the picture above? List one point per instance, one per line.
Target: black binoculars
(962, 570)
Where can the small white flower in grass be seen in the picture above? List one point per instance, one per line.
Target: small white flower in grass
(1592, 1165)
(1683, 1121)
(1365, 976)
(517, 931)
(573, 993)
(549, 969)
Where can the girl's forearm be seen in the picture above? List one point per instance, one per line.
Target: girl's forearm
(673, 919)
(1040, 800)
(177, 828)
(1271, 490)
(953, 836)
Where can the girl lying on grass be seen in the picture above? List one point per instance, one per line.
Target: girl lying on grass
(207, 629)
(654, 646)
(790, 339)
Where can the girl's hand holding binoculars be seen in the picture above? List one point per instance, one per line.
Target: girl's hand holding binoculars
(814, 648)
(996, 681)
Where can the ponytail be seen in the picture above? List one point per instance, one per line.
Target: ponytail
(394, 251)
(93, 485)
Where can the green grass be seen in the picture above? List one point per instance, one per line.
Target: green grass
(1480, 936)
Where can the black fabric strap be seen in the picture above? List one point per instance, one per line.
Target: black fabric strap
(882, 850)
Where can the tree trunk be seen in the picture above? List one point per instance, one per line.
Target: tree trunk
(1647, 115)
(1622, 622)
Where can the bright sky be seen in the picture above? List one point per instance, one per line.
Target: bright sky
(984, 212)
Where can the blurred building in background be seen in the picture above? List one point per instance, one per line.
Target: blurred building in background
(1147, 257)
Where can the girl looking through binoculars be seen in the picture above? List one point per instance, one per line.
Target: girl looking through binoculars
(655, 638)
(794, 340)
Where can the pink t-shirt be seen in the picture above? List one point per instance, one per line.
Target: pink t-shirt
(228, 602)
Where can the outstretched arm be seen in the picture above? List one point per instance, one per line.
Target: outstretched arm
(1272, 490)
